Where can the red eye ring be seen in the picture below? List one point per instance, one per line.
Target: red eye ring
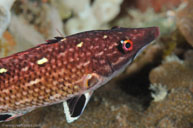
(127, 45)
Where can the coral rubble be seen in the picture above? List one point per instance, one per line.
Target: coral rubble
(185, 20)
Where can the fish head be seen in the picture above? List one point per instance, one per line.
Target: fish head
(122, 45)
(127, 43)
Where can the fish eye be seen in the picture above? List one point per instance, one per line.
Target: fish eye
(127, 45)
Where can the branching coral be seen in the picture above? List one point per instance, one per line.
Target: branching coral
(159, 92)
(91, 15)
(5, 15)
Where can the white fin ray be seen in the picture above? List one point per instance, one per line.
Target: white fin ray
(70, 106)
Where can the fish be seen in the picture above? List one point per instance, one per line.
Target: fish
(67, 70)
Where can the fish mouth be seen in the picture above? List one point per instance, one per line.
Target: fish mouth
(155, 32)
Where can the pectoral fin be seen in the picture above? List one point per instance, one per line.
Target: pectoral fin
(75, 106)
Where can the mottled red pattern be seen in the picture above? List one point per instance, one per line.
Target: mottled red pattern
(55, 71)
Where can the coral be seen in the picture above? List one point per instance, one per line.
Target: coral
(185, 20)
(24, 37)
(172, 58)
(159, 92)
(189, 58)
(63, 9)
(44, 17)
(172, 74)
(157, 5)
(134, 18)
(91, 16)
(175, 111)
(7, 44)
(5, 14)
(55, 22)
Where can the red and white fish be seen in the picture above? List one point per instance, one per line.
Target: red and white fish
(67, 69)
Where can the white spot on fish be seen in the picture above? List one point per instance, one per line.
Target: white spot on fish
(42, 61)
(91, 47)
(87, 39)
(12, 96)
(96, 47)
(59, 63)
(24, 93)
(24, 69)
(73, 69)
(80, 45)
(49, 50)
(3, 70)
(31, 64)
(22, 101)
(135, 30)
(114, 52)
(76, 87)
(111, 47)
(4, 106)
(102, 61)
(1, 99)
(62, 54)
(88, 53)
(53, 61)
(5, 90)
(54, 96)
(99, 54)
(71, 49)
(96, 39)
(36, 89)
(32, 82)
(41, 97)
(86, 63)
(63, 39)
(134, 37)
(71, 59)
(105, 36)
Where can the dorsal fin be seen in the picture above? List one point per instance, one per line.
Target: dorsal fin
(55, 40)
(115, 27)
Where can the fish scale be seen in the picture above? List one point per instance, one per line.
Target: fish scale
(65, 67)
(36, 74)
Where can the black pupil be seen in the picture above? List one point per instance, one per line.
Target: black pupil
(127, 45)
